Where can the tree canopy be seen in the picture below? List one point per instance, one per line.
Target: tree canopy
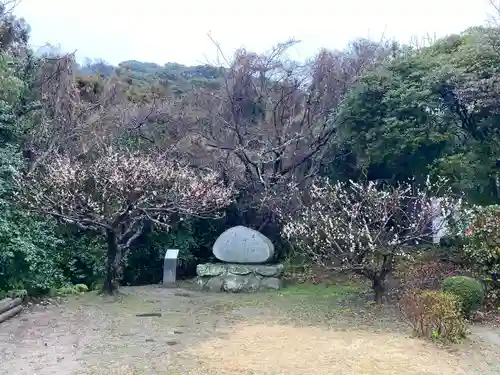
(431, 110)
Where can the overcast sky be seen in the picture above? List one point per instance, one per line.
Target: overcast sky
(176, 31)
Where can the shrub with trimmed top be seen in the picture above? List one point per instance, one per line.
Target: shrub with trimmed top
(468, 290)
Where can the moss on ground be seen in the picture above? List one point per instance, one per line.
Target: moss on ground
(322, 291)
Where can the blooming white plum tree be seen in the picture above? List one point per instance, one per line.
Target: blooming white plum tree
(117, 193)
(364, 226)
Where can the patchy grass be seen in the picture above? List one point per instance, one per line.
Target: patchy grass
(322, 291)
(343, 305)
(315, 329)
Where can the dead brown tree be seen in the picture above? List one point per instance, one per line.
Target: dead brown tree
(273, 120)
(77, 112)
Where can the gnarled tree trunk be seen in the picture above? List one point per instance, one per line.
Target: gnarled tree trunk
(378, 286)
(113, 263)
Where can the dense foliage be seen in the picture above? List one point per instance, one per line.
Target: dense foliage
(433, 109)
(482, 247)
(468, 290)
(29, 256)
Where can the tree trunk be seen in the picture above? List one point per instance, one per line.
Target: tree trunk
(378, 289)
(378, 278)
(112, 263)
(8, 303)
(493, 182)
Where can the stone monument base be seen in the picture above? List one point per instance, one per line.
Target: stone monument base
(245, 278)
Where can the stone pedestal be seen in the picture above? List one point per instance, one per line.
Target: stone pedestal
(245, 278)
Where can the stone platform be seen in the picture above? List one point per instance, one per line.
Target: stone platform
(245, 278)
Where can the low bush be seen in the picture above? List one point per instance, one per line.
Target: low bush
(468, 290)
(71, 289)
(434, 315)
(81, 288)
(424, 275)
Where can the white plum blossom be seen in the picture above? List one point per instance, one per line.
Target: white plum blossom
(364, 225)
(97, 192)
(118, 193)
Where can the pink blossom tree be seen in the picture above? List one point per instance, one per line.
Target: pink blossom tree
(116, 193)
(364, 227)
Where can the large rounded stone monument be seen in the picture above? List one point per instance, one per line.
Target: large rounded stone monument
(244, 252)
(243, 245)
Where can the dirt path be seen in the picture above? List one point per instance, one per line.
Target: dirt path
(94, 332)
(489, 334)
(483, 349)
(212, 334)
(42, 341)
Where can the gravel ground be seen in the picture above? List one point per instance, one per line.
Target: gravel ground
(153, 330)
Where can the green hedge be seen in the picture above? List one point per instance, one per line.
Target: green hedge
(469, 291)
